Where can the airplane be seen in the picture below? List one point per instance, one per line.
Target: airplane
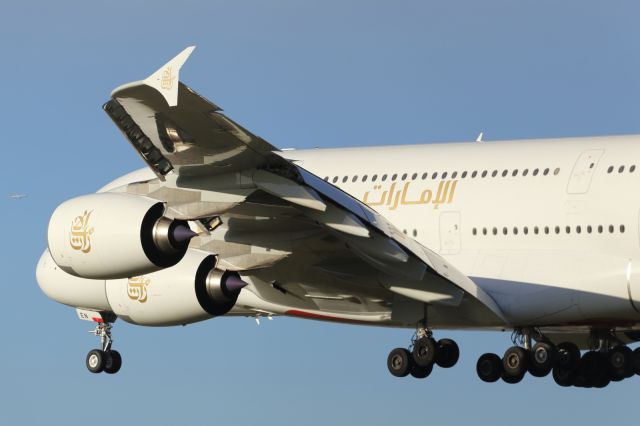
(538, 237)
(17, 196)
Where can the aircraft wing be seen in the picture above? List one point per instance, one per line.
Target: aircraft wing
(303, 241)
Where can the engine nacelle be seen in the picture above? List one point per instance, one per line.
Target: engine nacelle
(113, 235)
(191, 291)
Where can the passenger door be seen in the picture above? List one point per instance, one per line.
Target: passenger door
(449, 232)
(583, 171)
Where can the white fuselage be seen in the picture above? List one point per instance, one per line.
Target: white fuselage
(549, 228)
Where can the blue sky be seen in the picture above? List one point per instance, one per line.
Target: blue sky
(300, 74)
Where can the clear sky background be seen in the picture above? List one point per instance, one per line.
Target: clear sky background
(300, 74)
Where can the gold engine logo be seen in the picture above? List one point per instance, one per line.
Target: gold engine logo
(80, 236)
(137, 288)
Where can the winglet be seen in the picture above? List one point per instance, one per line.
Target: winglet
(479, 138)
(166, 79)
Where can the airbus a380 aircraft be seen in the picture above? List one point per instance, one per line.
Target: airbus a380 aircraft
(539, 237)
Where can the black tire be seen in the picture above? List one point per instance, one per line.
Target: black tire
(112, 362)
(636, 361)
(621, 362)
(489, 368)
(447, 353)
(593, 368)
(563, 376)
(424, 352)
(95, 361)
(512, 380)
(541, 359)
(399, 362)
(567, 355)
(515, 363)
(420, 372)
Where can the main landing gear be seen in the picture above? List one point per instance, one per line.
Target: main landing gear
(606, 362)
(104, 359)
(422, 354)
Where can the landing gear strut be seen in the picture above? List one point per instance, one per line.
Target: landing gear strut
(423, 353)
(104, 359)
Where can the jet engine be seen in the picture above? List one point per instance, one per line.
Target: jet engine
(113, 235)
(191, 291)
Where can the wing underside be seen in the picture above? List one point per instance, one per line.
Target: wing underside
(303, 242)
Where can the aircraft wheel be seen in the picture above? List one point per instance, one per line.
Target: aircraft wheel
(420, 372)
(593, 368)
(95, 360)
(567, 355)
(514, 364)
(489, 368)
(621, 362)
(113, 362)
(447, 353)
(399, 362)
(424, 351)
(512, 380)
(541, 359)
(636, 361)
(562, 376)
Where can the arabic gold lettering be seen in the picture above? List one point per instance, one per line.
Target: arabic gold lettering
(377, 203)
(453, 188)
(393, 187)
(80, 235)
(441, 195)
(425, 197)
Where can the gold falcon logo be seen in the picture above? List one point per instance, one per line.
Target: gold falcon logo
(137, 288)
(166, 82)
(80, 236)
